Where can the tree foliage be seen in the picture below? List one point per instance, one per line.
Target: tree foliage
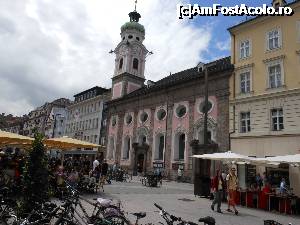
(36, 174)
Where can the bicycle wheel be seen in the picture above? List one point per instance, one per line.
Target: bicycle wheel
(6, 217)
(117, 220)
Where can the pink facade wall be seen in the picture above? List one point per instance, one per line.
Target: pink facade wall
(148, 122)
(113, 129)
(117, 90)
(128, 128)
(132, 87)
(180, 123)
(159, 125)
(213, 113)
(127, 131)
(112, 132)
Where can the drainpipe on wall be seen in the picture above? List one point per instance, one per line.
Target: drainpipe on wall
(233, 94)
(167, 112)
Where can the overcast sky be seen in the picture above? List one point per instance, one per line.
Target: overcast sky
(51, 49)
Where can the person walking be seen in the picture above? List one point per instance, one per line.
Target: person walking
(259, 181)
(95, 163)
(179, 174)
(217, 187)
(104, 172)
(283, 188)
(73, 178)
(232, 185)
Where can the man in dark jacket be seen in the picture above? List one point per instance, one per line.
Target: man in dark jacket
(104, 168)
(104, 172)
(217, 187)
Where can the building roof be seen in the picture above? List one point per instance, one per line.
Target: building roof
(254, 18)
(99, 91)
(183, 76)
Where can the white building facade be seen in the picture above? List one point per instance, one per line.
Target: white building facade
(85, 116)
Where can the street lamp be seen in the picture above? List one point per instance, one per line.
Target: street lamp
(204, 67)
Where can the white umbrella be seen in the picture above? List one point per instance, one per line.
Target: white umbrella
(224, 156)
(292, 159)
(262, 162)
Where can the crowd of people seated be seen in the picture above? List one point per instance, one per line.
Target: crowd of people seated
(80, 173)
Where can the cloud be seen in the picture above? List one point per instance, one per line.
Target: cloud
(53, 49)
(223, 45)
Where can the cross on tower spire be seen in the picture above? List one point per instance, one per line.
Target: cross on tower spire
(134, 16)
(135, 3)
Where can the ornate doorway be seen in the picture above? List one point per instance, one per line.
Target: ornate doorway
(140, 163)
(140, 158)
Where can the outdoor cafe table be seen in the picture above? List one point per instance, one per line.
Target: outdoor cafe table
(271, 201)
(245, 197)
(284, 203)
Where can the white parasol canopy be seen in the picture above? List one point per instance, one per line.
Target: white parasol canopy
(68, 143)
(224, 156)
(284, 159)
(12, 139)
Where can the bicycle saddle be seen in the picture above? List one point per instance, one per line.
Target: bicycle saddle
(139, 215)
(208, 220)
(4, 189)
(104, 202)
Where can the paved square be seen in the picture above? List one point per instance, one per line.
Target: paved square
(178, 199)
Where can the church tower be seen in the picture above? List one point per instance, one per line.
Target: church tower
(130, 58)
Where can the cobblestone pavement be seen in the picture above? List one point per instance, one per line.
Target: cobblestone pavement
(178, 199)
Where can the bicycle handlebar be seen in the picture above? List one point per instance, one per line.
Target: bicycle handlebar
(191, 223)
(158, 206)
(172, 217)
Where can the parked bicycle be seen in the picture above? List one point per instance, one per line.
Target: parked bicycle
(171, 219)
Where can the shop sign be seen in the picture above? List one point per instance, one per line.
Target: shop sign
(158, 165)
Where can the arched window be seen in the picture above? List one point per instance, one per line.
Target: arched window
(126, 147)
(159, 147)
(181, 146)
(135, 63)
(111, 149)
(121, 63)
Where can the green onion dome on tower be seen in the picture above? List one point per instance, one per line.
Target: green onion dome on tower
(133, 24)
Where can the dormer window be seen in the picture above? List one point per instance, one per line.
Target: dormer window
(121, 63)
(135, 64)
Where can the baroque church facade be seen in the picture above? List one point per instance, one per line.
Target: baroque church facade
(152, 126)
